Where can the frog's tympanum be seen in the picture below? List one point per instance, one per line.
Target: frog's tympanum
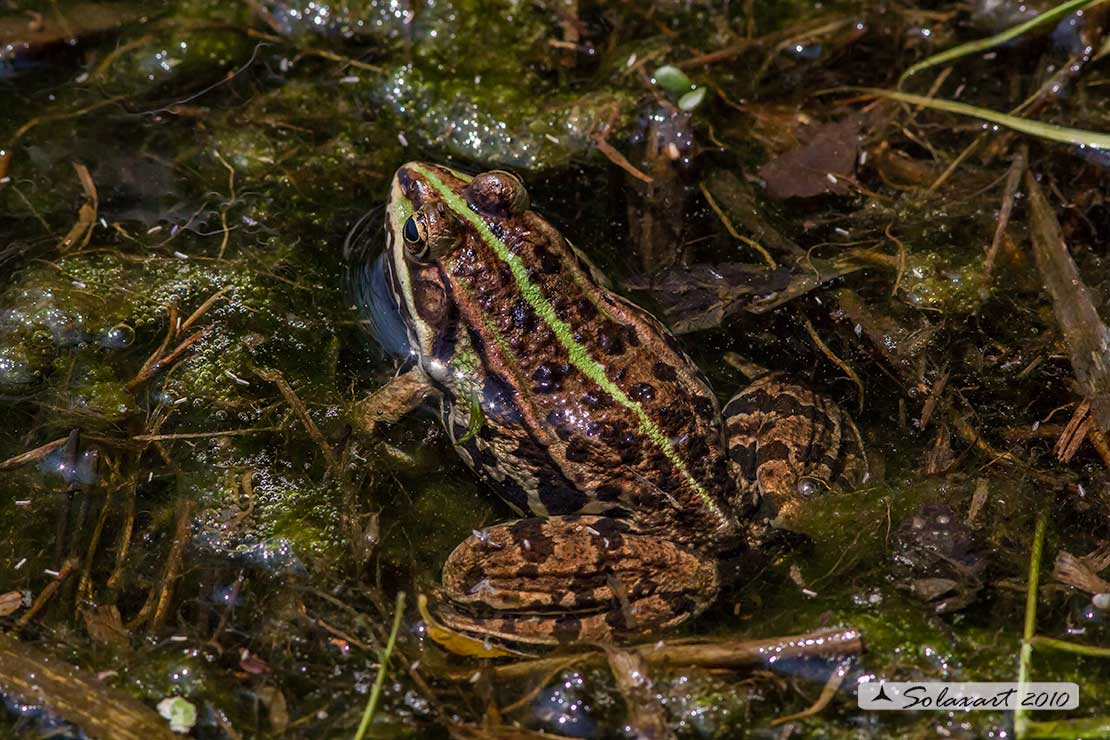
(587, 418)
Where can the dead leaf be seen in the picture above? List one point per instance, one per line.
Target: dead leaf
(457, 642)
(251, 663)
(817, 167)
(10, 602)
(104, 625)
(274, 701)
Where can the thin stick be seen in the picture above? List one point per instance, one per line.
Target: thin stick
(202, 435)
(84, 586)
(1020, 720)
(32, 455)
(619, 160)
(372, 702)
(827, 693)
(149, 371)
(825, 350)
(173, 564)
(124, 535)
(728, 654)
(1013, 179)
(732, 230)
(974, 47)
(1047, 131)
(293, 400)
(46, 594)
(203, 308)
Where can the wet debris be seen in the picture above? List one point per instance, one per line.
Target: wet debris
(74, 695)
(1086, 335)
(940, 560)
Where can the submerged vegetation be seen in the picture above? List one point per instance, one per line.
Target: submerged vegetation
(203, 532)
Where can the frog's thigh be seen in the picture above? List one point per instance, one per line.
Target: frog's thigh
(787, 442)
(549, 580)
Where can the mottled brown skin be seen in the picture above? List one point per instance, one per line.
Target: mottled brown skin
(788, 443)
(623, 538)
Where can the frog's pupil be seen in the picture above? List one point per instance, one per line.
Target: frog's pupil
(410, 232)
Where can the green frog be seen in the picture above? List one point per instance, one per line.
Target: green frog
(588, 419)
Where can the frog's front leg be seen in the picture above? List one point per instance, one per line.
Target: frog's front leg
(572, 578)
(788, 443)
(394, 400)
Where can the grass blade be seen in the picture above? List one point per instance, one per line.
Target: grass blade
(1013, 32)
(1031, 586)
(1049, 131)
(376, 692)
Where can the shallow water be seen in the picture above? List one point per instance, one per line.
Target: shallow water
(177, 184)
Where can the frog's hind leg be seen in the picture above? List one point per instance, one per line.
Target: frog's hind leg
(787, 443)
(572, 578)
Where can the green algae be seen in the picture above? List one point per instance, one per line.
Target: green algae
(247, 192)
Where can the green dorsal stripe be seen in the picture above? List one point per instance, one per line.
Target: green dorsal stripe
(578, 355)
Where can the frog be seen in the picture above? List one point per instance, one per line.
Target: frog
(632, 485)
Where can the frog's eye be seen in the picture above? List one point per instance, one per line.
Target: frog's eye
(411, 232)
(497, 193)
(414, 233)
(430, 233)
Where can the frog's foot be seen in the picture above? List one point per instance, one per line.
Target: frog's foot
(572, 578)
(788, 443)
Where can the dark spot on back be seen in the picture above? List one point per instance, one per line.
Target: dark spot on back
(597, 399)
(578, 450)
(663, 371)
(548, 377)
(586, 309)
(631, 336)
(641, 392)
(610, 342)
(548, 262)
(608, 492)
(704, 406)
(498, 400)
(560, 499)
(523, 317)
(567, 629)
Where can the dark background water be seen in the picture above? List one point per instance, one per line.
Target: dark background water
(158, 155)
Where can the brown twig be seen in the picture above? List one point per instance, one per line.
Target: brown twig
(68, 692)
(825, 643)
(732, 229)
(148, 371)
(1013, 179)
(619, 159)
(124, 535)
(173, 564)
(84, 586)
(158, 600)
(935, 394)
(836, 361)
(86, 215)
(202, 435)
(32, 455)
(827, 693)
(46, 594)
(290, 396)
